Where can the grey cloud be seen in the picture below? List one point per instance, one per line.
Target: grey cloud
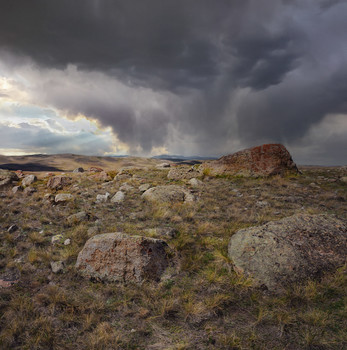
(218, 73)
(36, 139)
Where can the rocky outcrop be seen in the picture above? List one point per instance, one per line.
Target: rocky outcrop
(7, 178)
(169, 193)
(265, 160)
(58, 182)
(290, 250)
(117, 257)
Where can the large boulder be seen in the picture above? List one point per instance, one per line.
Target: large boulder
(293, 249)
(58, 182)
(168, 193)
(117, 257)
(264, 160)
(7, 178)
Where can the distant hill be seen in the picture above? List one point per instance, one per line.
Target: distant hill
(178, 158)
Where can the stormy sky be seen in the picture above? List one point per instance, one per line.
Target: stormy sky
(190, 77)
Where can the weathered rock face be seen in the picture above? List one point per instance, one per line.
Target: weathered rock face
(169, 193)
(7, 178)
(58, 182)
(183, 172)
(290, 250)
(117, 257)
(265, 160)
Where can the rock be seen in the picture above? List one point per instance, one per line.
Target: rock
(343, 179)
(67, 241)
(195, 182)
(28, 180)
(95, 169)
(293, 249)
(118, 197)
(19, 173)
(77, 218)
(144, 187)
(168, 193)
(29, 190)
(78, 170)
(63, 197)
(93, 230)
(12, 228)
(7, 178)
(163, 165)
(126, 188)
(168, 232)
(262, 204)
(265, 160)
(183, 172)
(313, 185)
(101, 176)
(58, 182)
(16, 189)
(57, 238)
(102, 197)
(57, 266)
(49, 197)
(117, 257)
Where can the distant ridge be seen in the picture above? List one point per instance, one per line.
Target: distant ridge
(178, 158)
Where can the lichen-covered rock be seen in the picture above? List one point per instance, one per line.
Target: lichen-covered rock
(7, 178)
(265, 160)
(117, 257)
(58, 182)
(293, 249)
(169, 193)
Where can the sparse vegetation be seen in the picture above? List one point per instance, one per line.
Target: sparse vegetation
(207, 305)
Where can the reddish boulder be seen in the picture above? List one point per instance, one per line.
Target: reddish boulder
(117, 257)
(264, 160)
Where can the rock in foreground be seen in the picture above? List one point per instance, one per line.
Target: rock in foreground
(290, 250)
(264, 160)
(117, 257)
(7, 178)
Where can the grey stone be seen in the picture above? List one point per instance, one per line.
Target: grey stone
(79, 170)
(57, 238)
(144, 187)
(16, 189)
(63, 197)
(77, 218)
(293, 249)
(58, 182)
(28, 180)
(7, 178)
(29, 190)
(118, 197)
(195, 182)
(102, 197)
(57, 266)
(126, 188)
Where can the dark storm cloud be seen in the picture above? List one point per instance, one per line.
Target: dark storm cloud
(247, 70)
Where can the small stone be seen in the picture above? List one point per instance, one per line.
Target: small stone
(195, 182)
(13, 228)
(63, 197)
(29, 190)
(126, 187)
(262, 204)
(343, 179)
(144, 187)
(102, 197)
(118, 197)
(57, 238)
(57, 266)
(16, 189)
(79, 170)
(163, 165)
(67, 241)
(77, 218)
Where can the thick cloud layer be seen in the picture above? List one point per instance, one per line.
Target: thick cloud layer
(193, 76)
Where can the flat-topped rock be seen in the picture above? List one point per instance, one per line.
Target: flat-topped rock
(168, 193)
